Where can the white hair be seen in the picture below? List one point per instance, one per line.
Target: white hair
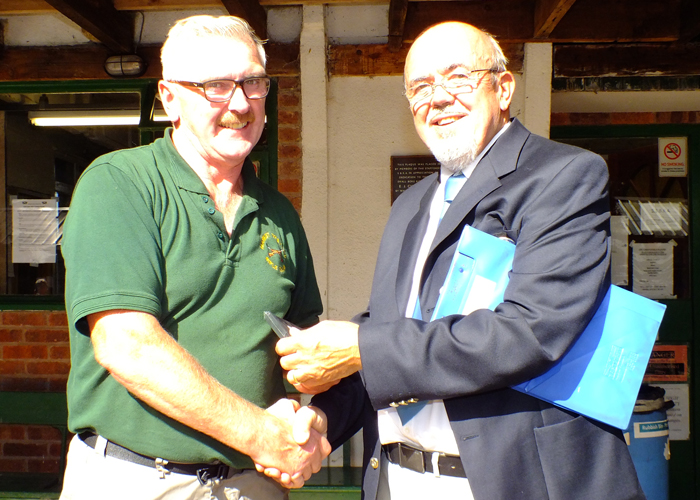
(203, 26)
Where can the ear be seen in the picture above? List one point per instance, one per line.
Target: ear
(171, 104)
(506, 87)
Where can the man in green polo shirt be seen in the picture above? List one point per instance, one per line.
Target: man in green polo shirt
(173, 252)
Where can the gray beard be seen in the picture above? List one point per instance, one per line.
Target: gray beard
(453, 152)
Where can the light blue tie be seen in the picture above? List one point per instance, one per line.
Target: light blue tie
(452, 186)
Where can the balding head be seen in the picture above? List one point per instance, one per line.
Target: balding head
(454, 40)
(459, 91)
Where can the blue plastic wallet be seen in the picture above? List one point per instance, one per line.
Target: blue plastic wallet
(601, 374)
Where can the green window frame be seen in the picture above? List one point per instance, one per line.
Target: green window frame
(264, 154)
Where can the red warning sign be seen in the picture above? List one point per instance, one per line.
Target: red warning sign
(672, 151)
(673, 156)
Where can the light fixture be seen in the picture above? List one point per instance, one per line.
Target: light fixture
(86, 118)
(127, 65)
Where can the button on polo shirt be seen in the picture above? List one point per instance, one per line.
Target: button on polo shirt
(142, 234)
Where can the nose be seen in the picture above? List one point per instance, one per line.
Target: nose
(238, 102)
(440, 95)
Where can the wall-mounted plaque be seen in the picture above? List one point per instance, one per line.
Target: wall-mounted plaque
(407, 170)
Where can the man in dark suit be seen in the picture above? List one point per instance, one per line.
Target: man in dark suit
(434, 398)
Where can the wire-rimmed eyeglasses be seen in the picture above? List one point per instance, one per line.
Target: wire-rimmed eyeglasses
(456, 83)
(255, 87)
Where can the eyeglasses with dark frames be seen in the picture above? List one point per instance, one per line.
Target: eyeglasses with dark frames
(456, 83)
(255, 87)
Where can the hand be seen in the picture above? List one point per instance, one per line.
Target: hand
(301, 418)
(307, 422)
(317, 358)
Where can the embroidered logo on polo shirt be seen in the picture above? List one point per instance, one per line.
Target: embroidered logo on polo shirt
(275, 251)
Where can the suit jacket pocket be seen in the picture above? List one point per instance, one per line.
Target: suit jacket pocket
(584, 460)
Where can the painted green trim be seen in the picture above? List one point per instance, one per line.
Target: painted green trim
(684, 470)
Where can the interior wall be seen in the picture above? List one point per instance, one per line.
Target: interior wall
(369, 121)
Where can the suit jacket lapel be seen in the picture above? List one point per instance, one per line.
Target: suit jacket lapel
(410, 247)
(499, 161)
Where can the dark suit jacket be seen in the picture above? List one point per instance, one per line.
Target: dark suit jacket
(552, 200)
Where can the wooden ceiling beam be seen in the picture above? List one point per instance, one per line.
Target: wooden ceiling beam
(585, 21)
(86, 62)
(194, 4)
(626, 60)
(548, 13)
(11, 7)
(379, 60)
(397, 22)
(605, 21)
(146, 5)
(505, 19)
(690, 20)
(251, 11)
(101, 20)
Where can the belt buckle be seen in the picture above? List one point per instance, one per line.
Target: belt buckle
(211, 473)
(411, 459)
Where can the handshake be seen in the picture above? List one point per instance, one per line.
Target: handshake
(315, 360)
(292, 461)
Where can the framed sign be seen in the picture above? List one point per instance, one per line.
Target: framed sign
(407, 170)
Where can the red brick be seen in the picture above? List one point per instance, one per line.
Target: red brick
(289, 118)
(13, 465)
(59, 352)
(296, 201)
(559, 119)
(289, 151)
(663, 117)
(589, 118)
(12, 432)
(289, 185)
(289, 134)
(11, 335)
(25, 352)
(288, 99)
(288, 82)
(632, 118)
(24, 450)
(58, 318)
(48, 368)
(287, 169)
(46, 335)
(55, 449)
(24, 318)
(43, 433)
(11, 367)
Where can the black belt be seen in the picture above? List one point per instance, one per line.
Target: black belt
(204, 472)
(421, 461)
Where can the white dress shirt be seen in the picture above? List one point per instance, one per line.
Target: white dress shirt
(430, 428)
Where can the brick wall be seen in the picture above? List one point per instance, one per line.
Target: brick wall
(35, 351)
(289, 139)
(35, 357)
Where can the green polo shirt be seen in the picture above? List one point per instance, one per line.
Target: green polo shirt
(142, 234)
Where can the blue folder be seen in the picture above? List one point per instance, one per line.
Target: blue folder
(600, 375)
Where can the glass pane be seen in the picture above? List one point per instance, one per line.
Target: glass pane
(650, 223)
(40, 163)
